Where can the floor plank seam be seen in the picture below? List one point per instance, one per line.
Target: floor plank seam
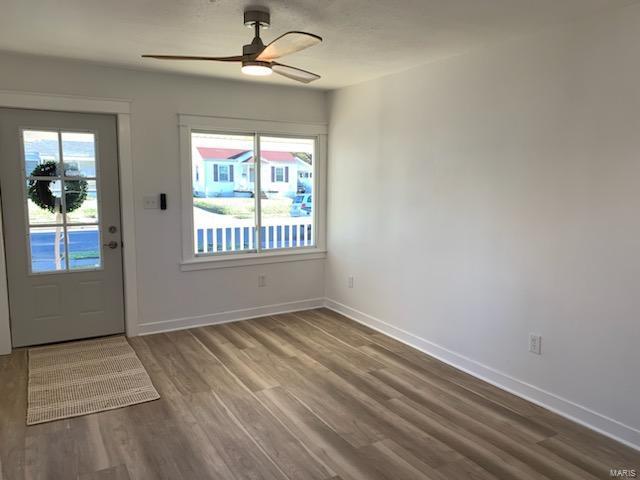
(235, 377)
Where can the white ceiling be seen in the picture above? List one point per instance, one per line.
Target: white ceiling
(363, 39)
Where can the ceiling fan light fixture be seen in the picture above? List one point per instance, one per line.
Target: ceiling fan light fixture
(256, 68)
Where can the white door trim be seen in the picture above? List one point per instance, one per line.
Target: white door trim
(121, 108)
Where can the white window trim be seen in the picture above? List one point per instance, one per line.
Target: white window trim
(187, 124)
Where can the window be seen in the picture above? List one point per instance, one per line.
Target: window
(244, 208)
(64, 232)
(279, 174)
(223, 173)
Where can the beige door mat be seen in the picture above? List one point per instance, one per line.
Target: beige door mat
(78, 378)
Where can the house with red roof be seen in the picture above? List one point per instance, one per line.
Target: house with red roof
(229, 172)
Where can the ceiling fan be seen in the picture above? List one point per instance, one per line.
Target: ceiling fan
(258, 59)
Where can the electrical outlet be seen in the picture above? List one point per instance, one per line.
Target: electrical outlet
(262, 280)
(350, 281)
(535, 343)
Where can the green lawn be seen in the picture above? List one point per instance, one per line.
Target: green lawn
(244, 207)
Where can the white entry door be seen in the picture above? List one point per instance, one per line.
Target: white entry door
(61, 219)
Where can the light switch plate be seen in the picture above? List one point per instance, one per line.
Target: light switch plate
(151, 202)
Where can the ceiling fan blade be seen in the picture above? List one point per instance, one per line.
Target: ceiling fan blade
(287, 44)
(237, 58)
(294, 73)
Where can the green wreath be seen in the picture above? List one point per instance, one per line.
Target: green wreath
(75, 191)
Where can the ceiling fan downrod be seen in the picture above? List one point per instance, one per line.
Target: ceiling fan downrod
(255, 19)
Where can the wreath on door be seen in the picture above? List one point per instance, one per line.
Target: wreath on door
(40, 193)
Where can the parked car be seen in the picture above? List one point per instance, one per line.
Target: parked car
(304, 186)
(301, 206)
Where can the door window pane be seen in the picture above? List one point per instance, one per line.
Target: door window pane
(47, 249)
(84, 247)
(224, 204)
(43, 201)
(79, 156)
(287, 192)
(83, 196)
(41, 152)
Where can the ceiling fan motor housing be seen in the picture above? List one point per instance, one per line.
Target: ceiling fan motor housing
(253, 48)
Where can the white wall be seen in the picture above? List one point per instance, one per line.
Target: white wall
(165, 292)
(490, 195)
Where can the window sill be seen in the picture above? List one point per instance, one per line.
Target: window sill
(248, 259)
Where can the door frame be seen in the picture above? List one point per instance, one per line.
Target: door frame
(69, 103)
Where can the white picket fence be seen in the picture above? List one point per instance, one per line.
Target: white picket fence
(294, 233)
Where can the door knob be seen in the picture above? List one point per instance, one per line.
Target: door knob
(112, 244)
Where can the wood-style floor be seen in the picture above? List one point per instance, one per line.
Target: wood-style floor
(301, 396)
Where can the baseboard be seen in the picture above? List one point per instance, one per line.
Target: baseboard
(228, 316)
(566, 408)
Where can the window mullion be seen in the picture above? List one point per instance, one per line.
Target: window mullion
(258, 186)
(63, 200)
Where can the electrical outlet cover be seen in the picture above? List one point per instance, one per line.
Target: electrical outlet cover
(535, 343)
